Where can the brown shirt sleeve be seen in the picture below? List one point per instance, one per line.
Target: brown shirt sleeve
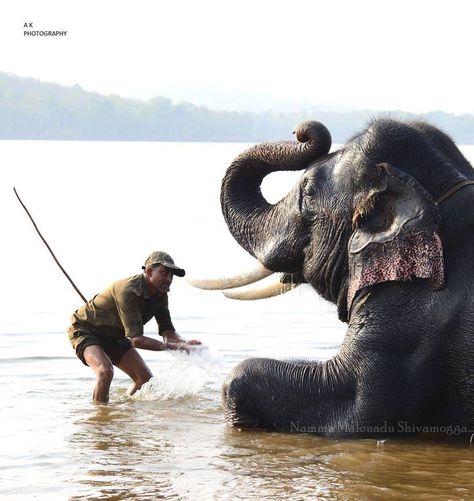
(163, 318)
(128, 308)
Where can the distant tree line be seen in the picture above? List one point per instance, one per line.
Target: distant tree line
(30, 109)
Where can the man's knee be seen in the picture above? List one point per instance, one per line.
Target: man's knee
(105, 372)
(141, 379)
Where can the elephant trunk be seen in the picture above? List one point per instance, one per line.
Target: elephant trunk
(271, 233)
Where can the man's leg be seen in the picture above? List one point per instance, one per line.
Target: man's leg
(134, 366)
(100, 363)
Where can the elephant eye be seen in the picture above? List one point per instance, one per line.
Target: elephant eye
(307, 202)
(315, 193)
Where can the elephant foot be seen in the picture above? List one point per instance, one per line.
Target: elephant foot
(239, 398)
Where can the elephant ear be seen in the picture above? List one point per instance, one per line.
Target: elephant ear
(396, 235)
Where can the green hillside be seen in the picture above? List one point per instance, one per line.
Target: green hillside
(30, 109)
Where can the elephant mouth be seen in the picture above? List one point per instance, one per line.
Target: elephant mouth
(251, 285)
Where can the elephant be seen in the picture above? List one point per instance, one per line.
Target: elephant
(382, 228)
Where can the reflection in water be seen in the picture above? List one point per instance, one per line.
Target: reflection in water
(120, 452)
(309, 467)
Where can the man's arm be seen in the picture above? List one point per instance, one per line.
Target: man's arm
(171, 336)
(129, 312)
(148, 343)
(166, 329)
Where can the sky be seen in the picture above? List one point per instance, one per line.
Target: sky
(411, 55)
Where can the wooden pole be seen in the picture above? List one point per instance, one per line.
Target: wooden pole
(49, 248)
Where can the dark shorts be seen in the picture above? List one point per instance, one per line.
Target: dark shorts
(114, 349)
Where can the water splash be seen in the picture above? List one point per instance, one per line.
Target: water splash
(183, 378)
(201, 356)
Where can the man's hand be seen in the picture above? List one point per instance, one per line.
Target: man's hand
(174, 341)
(178, 346)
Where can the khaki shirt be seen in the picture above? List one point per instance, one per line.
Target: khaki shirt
(120, 310)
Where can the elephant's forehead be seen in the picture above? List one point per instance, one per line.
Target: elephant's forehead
(350, 166)
(347, 166)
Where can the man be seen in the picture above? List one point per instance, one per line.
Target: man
(107, 330)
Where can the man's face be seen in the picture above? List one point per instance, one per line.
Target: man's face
(160, 278)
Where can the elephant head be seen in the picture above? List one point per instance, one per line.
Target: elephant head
(359, 216)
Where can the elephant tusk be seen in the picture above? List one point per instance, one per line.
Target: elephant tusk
(273, 289)
(231, 282)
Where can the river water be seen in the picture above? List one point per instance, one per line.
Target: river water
(104, 207)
